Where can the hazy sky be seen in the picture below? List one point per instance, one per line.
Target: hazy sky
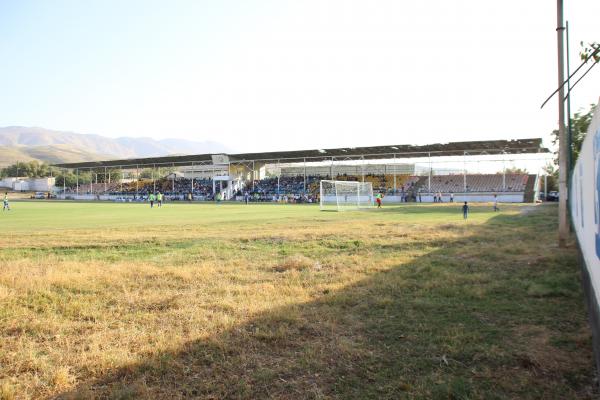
(277, 74)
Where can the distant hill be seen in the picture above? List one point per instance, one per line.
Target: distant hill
(19, 143)
(50, 154)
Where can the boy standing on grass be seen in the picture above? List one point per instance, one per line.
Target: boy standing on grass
(5, 207)
(465, 209)
(151, 199)
(159, 199)
(378, 198)
(496, 203)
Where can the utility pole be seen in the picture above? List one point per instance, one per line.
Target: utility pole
(569, 127)
(563, 225)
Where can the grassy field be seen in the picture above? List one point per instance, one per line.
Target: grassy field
(279, 301)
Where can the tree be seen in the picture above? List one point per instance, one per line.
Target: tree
(84, 178)
(515, 170)
(147, 173)
(31, 169)
(552, 177)
(579, 125)
(163, 172)
(111, 175)
(592, 50)
(66, 178)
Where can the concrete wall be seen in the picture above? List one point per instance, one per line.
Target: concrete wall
(8, 182)
(27, 184)
(41, 184)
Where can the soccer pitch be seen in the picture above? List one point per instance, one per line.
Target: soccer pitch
(283, 301)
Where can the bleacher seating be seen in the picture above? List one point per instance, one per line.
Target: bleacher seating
(293, 186)
(478, 183)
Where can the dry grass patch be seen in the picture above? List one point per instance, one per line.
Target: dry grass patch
(288, 303)
(297, 262)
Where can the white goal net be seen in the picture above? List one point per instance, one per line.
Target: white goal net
(345, 195)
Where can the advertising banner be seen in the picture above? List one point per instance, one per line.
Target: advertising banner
(585, 217)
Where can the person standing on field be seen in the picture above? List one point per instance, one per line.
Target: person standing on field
(378, 199)
(159, 199)
(5, 206)
(151, 199)
(496, 203)
(465, 210)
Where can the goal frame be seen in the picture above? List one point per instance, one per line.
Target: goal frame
(361, 191)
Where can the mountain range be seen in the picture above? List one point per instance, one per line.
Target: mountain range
(18, 143)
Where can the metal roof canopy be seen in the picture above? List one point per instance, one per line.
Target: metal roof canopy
(517, 146)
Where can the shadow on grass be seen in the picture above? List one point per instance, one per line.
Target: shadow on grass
(452, 324)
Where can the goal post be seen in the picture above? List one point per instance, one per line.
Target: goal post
(345, 195)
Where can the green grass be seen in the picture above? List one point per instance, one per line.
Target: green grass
(284, 301)
(44, 216)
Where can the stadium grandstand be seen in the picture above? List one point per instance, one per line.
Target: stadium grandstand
(474, 171)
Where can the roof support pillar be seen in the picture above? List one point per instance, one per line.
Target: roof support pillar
(430, 172)
(305, 175)
(464, 171)
(395, 167)
(362, 168)
(503, 171)
(331, 169)
(192, 180)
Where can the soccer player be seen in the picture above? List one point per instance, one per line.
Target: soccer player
(151, 199)
(465, 209)
(159, 198)
(378, 199)
(496, 203)
(5, 207)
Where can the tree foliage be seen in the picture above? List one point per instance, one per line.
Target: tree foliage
(515, 170)
(72, 179)
(579, 125)
(156, 173)
(31, 169)
(552, 177)
(591, 50)
(147, 173)
(110, 175)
